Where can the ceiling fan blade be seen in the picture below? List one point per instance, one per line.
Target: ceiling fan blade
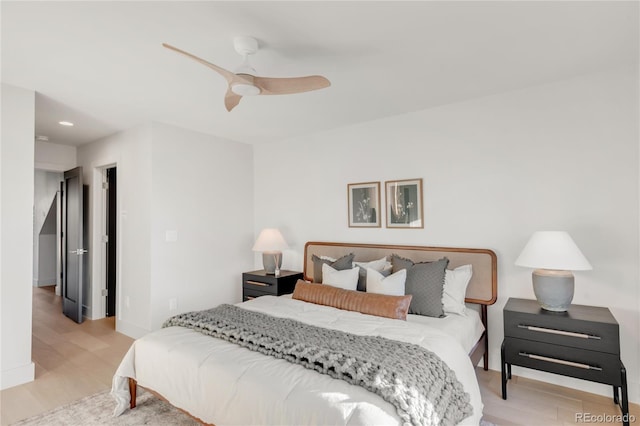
(231, 99)
(285, 86)
(228, 75)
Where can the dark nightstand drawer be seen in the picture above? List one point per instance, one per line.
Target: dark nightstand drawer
(569, 328)
(572, 362)
(259, 286)
(259, 283)
(248, 294)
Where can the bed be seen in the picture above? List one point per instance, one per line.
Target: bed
(218, 382)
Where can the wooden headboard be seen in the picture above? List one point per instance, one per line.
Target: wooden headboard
(482, 289)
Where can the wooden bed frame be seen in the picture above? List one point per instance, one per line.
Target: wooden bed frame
(482, 288)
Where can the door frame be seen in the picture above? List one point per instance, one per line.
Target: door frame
(111, 265)
(98, 219)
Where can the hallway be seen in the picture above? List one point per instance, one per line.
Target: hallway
(71, 360)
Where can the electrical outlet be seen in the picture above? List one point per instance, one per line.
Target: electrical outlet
(173, 304)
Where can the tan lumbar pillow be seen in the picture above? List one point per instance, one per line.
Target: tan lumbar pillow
(381, 305)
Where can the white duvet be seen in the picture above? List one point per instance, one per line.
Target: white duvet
(224, 384)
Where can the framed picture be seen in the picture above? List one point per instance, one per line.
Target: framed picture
(364, 204)
(404, 203)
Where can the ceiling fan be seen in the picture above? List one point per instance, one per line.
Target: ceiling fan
(245, 82)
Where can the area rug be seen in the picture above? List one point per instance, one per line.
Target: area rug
(98, 410)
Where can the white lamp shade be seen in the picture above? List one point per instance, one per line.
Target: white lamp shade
(270, 239)
(553, 250)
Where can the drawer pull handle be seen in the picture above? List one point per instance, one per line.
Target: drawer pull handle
(258, 283)
(560, 361)
(560, 332)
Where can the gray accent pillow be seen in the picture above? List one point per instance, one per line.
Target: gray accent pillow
(345, 262)
(425, 281)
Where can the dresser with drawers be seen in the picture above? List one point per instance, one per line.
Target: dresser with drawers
(583, 342)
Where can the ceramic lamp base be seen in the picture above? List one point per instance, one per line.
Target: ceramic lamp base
(553, 289)
(272, 262)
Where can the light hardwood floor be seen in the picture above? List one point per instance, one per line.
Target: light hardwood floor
(71, 360)
(76, 360)
(532, 402)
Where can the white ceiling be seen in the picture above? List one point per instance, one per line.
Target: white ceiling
(101, 64)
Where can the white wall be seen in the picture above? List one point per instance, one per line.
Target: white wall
(46, 260)
(16, 229)
(172, 179)
(131, 152)
(46, 186)
(562, 156)
(55, 157)
(202, 188)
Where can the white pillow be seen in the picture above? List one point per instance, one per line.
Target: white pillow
(378, 265)
(455, 288)
(393, 285)
(346, 279)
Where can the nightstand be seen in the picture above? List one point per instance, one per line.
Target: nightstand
(259, 283)
(583, 342)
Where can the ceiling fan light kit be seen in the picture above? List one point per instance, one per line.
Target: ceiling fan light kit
(244, 89)
(244, 81)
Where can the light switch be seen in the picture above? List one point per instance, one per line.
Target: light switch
(171, 236)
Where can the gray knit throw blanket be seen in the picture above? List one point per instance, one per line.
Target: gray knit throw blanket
(422, 388)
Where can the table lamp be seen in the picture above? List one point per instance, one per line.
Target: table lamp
(271, 243)
(554, 255)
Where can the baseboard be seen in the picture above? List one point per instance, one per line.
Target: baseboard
(86, 312)
(17, 376)
(131, 330)
(634, 390)
(47, 282)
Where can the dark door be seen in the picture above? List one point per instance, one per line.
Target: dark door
(73, 251)
(111, 241)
